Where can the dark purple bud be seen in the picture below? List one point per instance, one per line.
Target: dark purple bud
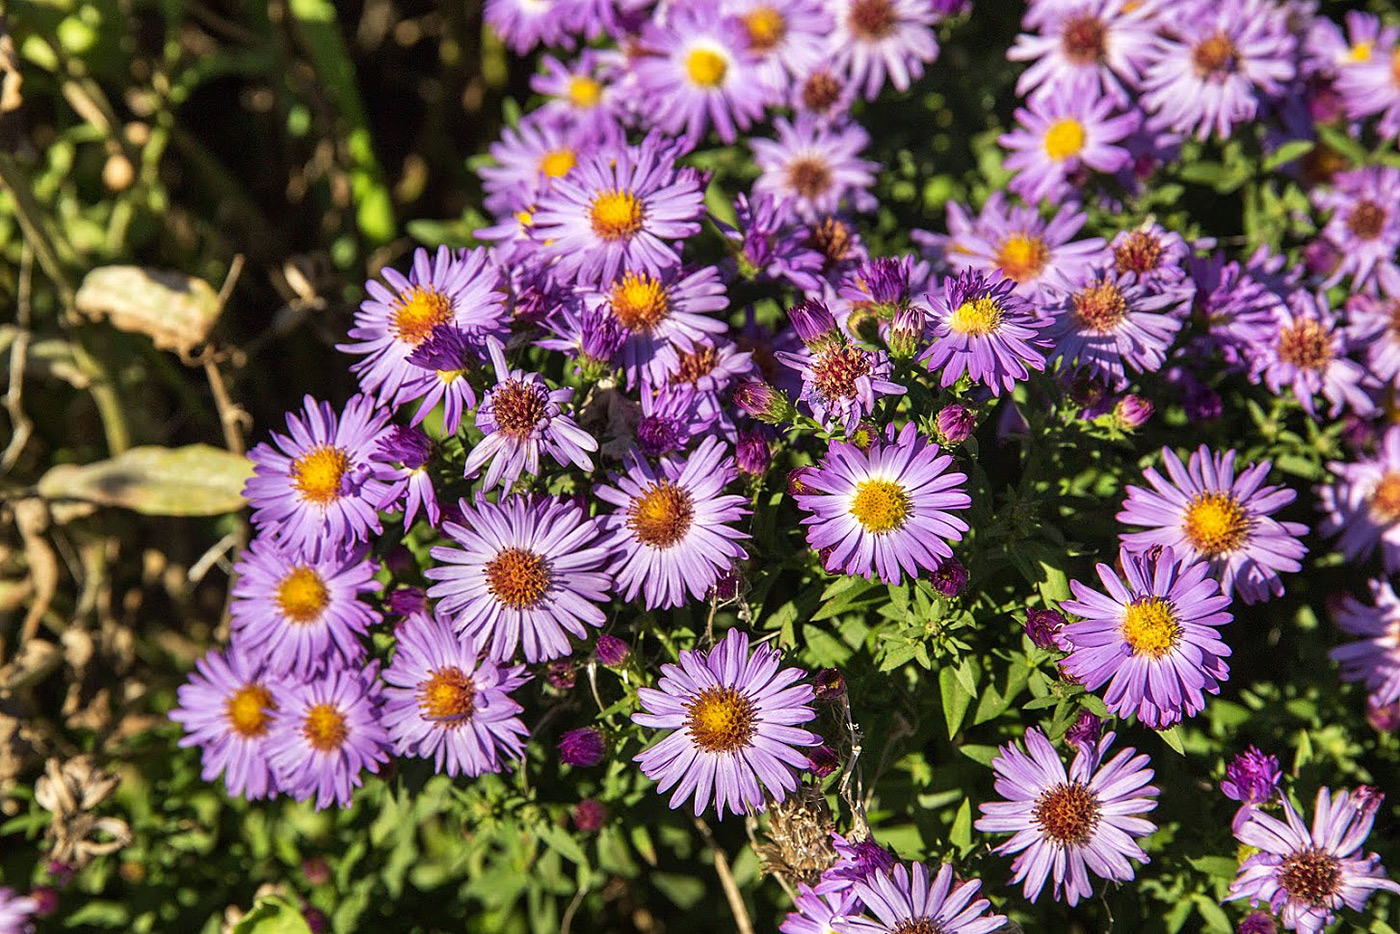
(315, 870)
(824, 556)
(1131, 412)
(949, 578)
(406, 601)
(753, 453)
(448, 350)
(610, 650)
(814, 324)
(1043, 626)
(583, 747)
(1085, 731)
(1321, 258)
(946, 8)
(1202, 403)
(662, 434)
(907, 332)
(601, 336)
(561, 674)
(1384, 718)
(1258, 922)
(405, 445)
(829, 685)
(60, 872)
(315, 919)
(1085, 391)
(400, 561)
(45, 898)
(1367, 799)
(954, 425)
(885, 280)
(759, 400)
(822, 761)
(795, 486)
(729, 585)
(590, 815)
(1252, 777)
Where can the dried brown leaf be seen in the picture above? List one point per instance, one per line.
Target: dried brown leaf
(175, 310)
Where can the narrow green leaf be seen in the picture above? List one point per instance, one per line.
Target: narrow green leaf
(961, 833)
(1172, 736)
(955, 699)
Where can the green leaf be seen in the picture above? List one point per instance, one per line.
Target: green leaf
(1287, 153)
(955, 699)
(982, 755)
(1217, 867)
(195, 480)
(559, 840)
(273, 914)
(1172, 736)
(961, 833)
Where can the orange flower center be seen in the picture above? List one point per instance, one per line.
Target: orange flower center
(324, 728)
(662, 515)
(517, 578)
(419, 312)
(1366, 220)
(1305, 345)
(302, 595)
(447, 697)
(766, 28)
(519, 408)
(720, 720)
(250, 711)
(1100, 307)
(1139, 252)
(1150, 627)
(639, 301)
(1083, 39)
(809, 176)
(872, 20)
(1215, 56)
(880, 506)
(318, 473)
(616, 214)
(1311, 875)
(1022, 256)
(1385, 498)
(1216, 523)
(1067, 814)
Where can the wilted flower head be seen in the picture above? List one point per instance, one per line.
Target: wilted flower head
(1043, 627)
(1252, 777)
(583, 748)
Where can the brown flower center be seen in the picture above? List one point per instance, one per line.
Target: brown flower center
(720, 720)
(302, 595)
(1312, 875)
(696, 366)
(250, 711)
(616, 214)
(916, 926)
(1305, 345)
(820, 91)
(519, 408)
(1385, 498)
(324, 728)
(1022, 256)
(419, 312)
(1083, 39)
(1100, 307)
(447, 697)
(639, 301)
(1366, 220)
(809, 176)
(318, 473)
(1215, 56)
(1139, 252)
(871, 20)
(517, 577)
(1216, 523)
(1067, 814)
(835, 370)
(662, 515)
(832, 239)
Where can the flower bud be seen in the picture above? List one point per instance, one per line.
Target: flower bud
(1085, 731)
(759, 400)
(795, 486)
(907, 332)
(590, 815)
(829, 685)
(950, 578)
(610, 650)
(1043, 626)
(582, 748)
(753, 453)
(1258, 922)
(814, 324)
(561, 674)
(1131, 412)
(954, 425)
(822, 761)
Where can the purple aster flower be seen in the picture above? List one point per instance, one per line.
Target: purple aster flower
(1364, 226)
(523, 24)
(522, 418)
(1205, 511)
(1027, 249)
(765, 247)
(981, 327)
(735, 716)
(616, 211)
(1043, 627)
(410, 486)
(521, 573)
(1257, 922)
(1152, 637)
(588, 332)
(582, 748)
(1155, 256)
(528, 157)
(583, 95)
(1374, 658)
(886, 510)
(443, 700)
(325, 733)
(1108, 324)
(674, 529)
(816, 914)
(905, 899)
(1070, 823)
(16, 912)
(711, 369)
(316, 483)
(1363, 505)
(459, 289)
(451, 358)
(663, 315)
(698, 73)
(1238, 309)
(1252, 777)
(1060, 136)
(226, 708)
(1307, 877)
(300, 611)
(671, 419)
(1087, 49)
(786, 38)
(1215, 63)
(1374, 323)
(840, 381)
(812, 168)
(882, 40)
(1306, 353)
(1370, 83)
(1085, 732)
(822, 92)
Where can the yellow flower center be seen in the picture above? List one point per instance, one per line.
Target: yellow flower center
(250, 711)
(419, 312)
(1216, 523)
(558, 162)
(1361, 52)
(766, 28)
(615, 214)
(318, 473)
(1064, 139)
(302, 595)
(324, 728)
(880, 506)
(584, 92)
(448, 697)
(1022, 256)
(720, 720)
(517, 578)
(1150, 627)
(1385, 498)
(662, 515)
(979, 317)
(639, 301)
(706, 67)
